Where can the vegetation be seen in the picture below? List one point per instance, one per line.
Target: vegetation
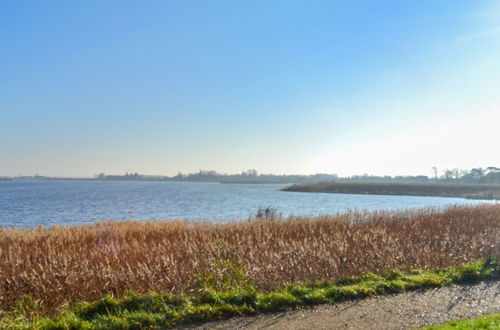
(489, 175)
(482, 322)
(474, 191)
(154, 310)
(64, 265)
(249, 176)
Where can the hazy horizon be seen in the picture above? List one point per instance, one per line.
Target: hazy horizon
(282, 87)
(440, 173)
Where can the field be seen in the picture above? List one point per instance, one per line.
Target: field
(471, 191)
(64, 265)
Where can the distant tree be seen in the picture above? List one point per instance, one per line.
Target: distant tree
(435, 172)
(492, 169)
(251, 172)
(476, 173)
(492, 175)
(448, 175)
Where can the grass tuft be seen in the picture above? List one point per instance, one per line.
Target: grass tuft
(488, 322)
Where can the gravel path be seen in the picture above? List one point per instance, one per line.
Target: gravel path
(401, 311)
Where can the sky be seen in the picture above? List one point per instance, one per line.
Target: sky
(161, 87)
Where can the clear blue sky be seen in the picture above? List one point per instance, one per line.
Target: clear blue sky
(157, 87)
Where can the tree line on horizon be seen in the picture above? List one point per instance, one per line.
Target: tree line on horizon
(488, 175)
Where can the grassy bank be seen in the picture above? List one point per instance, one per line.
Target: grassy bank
(472, 191)
(133, 311)
(64, 265)
(483, 322)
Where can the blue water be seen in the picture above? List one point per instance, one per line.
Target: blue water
(29, 203)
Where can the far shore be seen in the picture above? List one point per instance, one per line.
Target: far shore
(254, 182)
(468, 191)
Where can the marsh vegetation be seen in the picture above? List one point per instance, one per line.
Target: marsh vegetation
(64, 265)
(161, 310)
(472, 191)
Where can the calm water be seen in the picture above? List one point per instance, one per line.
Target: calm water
(26, 203)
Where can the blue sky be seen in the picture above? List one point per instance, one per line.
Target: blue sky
(157, 87)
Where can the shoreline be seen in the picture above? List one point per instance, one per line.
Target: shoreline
(207, 271)
(466, 191)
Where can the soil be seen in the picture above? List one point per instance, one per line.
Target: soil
(401, 311)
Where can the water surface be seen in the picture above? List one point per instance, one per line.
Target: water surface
(28, 203)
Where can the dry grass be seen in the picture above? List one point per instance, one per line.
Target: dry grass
(473, 191)
(64, 265)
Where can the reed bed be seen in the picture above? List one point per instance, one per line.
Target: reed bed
(471, 191)
(63, 265)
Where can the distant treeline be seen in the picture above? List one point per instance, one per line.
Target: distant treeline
(249, 176)
(489, 175)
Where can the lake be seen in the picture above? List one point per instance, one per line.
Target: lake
(29, 203)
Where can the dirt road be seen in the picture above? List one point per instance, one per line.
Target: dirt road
(401, 311)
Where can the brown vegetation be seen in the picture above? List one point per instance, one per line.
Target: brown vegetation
(472, 191)
(68, 264)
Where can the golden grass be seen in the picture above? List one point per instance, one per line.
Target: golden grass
(63, 265)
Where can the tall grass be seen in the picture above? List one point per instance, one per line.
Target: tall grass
(63, 265)
(471, 191)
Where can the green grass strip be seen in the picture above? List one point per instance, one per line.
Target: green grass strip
(156, 310)
(482, 322)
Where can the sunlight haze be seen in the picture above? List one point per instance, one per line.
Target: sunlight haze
(285, 87)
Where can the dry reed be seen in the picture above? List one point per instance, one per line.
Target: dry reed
(63, 265)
